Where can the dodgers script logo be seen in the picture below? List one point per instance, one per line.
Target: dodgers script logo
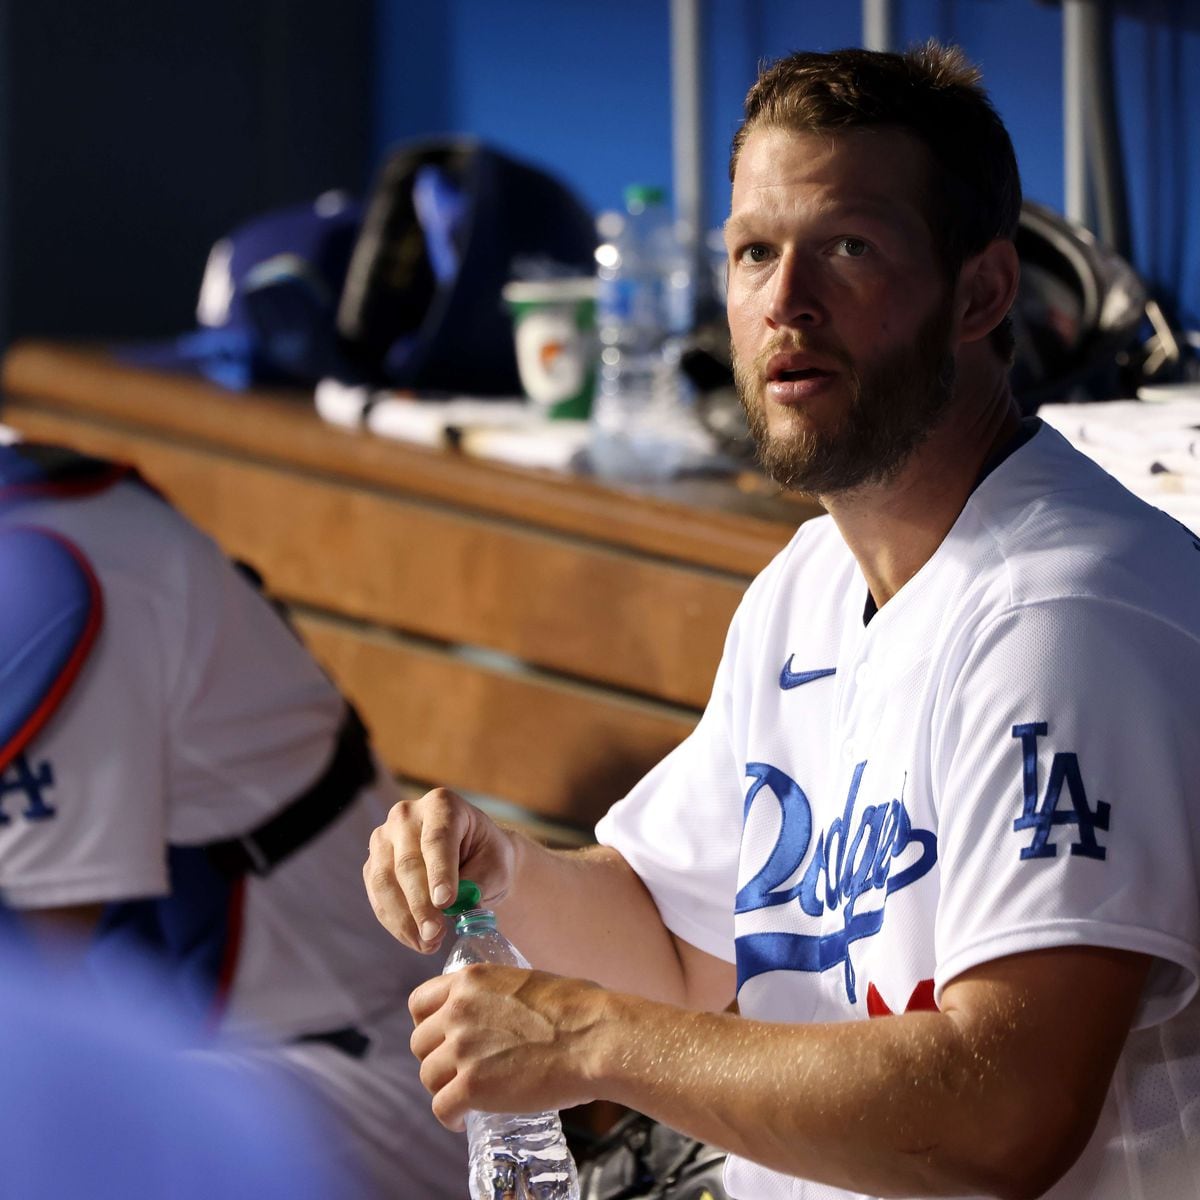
(848, 862)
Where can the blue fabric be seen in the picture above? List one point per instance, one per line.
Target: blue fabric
(319, 236)
(484, 219)
(47, 606)
(440, 206)
(185, 932)
(286, 270)
(18, 470)
(226, 356)
(97, 1100)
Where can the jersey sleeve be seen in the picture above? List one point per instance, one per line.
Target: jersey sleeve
(51, 608)
(681, 826)
(252, 719)
(1067, 777)
(81, 807)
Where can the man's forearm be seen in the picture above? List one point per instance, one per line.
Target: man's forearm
(898, 1107)
(996, 1094)
(584, 913)
(905, 1106)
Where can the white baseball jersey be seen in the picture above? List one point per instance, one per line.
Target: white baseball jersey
(196, 717)
(1003, 758)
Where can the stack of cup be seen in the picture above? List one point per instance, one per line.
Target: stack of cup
(554, 323)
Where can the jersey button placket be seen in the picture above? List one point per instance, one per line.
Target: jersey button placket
(851, 709)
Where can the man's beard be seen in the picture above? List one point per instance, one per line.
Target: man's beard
(896, 401)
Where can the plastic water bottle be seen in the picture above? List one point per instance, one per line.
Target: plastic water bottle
(644, 307)
(513, 1156)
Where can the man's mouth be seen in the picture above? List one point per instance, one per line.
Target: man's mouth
(792, 367)
(799, 374)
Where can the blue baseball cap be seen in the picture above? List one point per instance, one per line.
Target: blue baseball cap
(268, 300)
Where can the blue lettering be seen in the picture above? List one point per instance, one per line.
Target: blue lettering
(790, 846)
(19, 778)
(863, 852)
(840, 828)
(1064, 772)
(810, 902)
(847, 862)
(888, 832)
(906, 835)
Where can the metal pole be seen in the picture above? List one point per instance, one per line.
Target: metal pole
(686, 131)
(1075, 165)
(878, 25)
(687, 134)
(1105, 163)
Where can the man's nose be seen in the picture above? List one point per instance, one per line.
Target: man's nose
(793, 300)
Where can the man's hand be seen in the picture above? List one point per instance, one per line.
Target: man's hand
(416, 857)
(502, 1039)
(580, 912)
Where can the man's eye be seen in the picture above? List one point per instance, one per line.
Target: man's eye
(852, 247)
(755, 253)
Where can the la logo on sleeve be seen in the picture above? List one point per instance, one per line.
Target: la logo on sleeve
(21, 779)
(1064, 774)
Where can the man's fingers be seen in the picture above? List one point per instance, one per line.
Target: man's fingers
(412, 873)
(444, 828)
(450, 1104)
(383, 889)
(428, 997)
(420, 843)
(439, 1075)
(409, 869)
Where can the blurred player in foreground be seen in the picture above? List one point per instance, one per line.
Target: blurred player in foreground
(110, 1101)
(184, 798)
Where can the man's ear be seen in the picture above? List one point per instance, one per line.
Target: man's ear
(987, 289)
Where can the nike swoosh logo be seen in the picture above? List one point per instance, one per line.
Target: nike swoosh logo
(790, 679)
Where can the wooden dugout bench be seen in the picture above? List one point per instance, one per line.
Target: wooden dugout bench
(535, 638)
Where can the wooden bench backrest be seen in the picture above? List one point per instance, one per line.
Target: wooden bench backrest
(533, 637)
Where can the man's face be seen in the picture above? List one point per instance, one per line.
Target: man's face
(839, 311)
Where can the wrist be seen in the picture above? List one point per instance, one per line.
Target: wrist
(612, 1051)
(515, 855)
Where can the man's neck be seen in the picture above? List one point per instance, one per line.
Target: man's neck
(894, 528)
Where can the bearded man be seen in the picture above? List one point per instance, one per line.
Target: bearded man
(938, 830)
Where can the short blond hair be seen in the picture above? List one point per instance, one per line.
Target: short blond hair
(932, 92)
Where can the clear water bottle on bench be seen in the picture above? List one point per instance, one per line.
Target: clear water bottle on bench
(513, 1156)
(644, 306)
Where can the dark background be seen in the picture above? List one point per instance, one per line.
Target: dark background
(134, 133)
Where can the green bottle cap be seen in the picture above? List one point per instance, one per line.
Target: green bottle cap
(640, 196)
(468, 898)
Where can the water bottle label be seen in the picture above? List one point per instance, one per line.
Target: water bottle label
(615, 299)
(646, 306)
(679, 302)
